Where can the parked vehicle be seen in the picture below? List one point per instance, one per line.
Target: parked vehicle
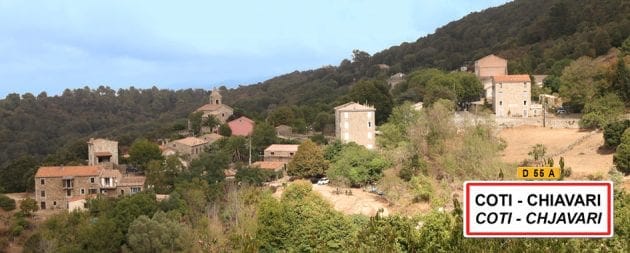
(561, 111)
(323, 181)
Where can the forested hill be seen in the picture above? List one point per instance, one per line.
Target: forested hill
(536, 36)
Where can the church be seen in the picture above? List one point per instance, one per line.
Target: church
(216, 108)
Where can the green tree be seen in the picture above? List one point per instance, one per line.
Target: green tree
(6, 203)
(374, 92)
(17, 176)
(621, 159)
(142, 151)
(195, 120)
(263, 136)
(158, 234)
(357, 166)
(613, 132)
(580, 82)
(620, 80)
(253, 176)
(211, 122)
(225, 130)
(601, 111)
(162, 174)
(28, 206)
(302, 221)
(282, 115)
(210, 166)
(308, 161)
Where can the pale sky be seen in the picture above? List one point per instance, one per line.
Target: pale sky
(53, 45)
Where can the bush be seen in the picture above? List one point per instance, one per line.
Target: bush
(614, 131)
(6, 203)
(422, 189)
(357, 165)
(601, 111)
(622, 156)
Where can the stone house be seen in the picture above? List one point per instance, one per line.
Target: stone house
(242, 126)
(355, 123)
(57, 187)
(189, 147)
(216, 107)
(486, 68)
(280, 152)
(511, 95)
(102, 151)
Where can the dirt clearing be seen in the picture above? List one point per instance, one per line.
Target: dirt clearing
(580, 148)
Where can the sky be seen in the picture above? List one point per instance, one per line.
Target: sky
(53, 45)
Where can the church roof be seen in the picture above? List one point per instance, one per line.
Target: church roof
(213, 107)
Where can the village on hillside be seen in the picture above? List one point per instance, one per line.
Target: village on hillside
(525, 123)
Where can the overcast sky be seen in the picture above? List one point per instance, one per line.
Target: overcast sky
(53, 45)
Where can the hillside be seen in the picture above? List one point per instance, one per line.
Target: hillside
(536, 36)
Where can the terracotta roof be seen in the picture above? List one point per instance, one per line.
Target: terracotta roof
(242, 126)
(102, 153)
(511, 78)
(269, 165)
(77, 197)
(212, 107)
(191, 141)
(282, 147)
(353, 106)
(491, 57)
(210, 138)
(132, 181)
(66, 171)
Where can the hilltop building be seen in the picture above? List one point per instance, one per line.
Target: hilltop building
(486, 68)
(216, 107)
(102, 152)
(67, 187)
(355, 123)
(512, 95)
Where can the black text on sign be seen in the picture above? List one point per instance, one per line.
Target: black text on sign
(538, 209)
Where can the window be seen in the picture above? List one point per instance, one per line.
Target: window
(91, 180)
(346, 125)
(500, 102)
(345, 115)
(42, 181)
(43, 194)
(273, 153)
(42, 205)
(122, 192)
(67, 183)
(500, 85)
(68, 193)
(107, 181)
(82, 191)
(524, 102)
(291, 154)
(524, 85)
(135, 189)
(92, 191)
(54, 203)
(369, 124)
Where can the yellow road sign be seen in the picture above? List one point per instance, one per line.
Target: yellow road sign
(538, 173)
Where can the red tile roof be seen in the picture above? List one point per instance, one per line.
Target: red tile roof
(242, 126)
(66, 171)
(213, 107)
(191, 141)
(132, 181)
(511, 78)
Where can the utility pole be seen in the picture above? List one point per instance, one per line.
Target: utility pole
(544, 112)
(250, 150)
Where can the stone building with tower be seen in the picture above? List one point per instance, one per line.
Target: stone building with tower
(102, 152)
(216, 107)
(486, 68)
(355, 123)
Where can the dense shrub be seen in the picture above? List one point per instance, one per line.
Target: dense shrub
(613, 132)
(6, 203)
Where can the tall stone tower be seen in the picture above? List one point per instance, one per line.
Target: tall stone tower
(215, 97)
